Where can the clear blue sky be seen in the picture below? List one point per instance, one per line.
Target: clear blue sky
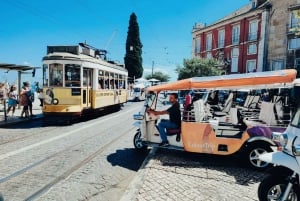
(27, 27)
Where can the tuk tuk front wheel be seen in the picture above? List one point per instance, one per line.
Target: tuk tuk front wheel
(252, 153)
(272, 187)
(137, 141)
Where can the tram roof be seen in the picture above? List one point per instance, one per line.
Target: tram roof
(6, 66)
(269, 79)
(80, 57)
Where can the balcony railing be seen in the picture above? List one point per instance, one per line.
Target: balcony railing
(293, 28)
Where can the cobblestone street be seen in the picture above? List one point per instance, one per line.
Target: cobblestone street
(174, 175)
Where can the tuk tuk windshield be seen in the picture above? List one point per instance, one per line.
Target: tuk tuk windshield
(150, 99)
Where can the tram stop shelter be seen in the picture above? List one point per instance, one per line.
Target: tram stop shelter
(20, 69)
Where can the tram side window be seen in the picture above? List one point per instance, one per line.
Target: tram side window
(106, 82)
(116, 81)
(72, 75)
(121, 86)
(101, 79)
(122, 82)
(56, 74)
(111, 81)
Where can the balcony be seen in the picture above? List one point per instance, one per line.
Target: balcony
(293, 28)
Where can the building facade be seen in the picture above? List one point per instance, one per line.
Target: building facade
(283, 42)
(238, 41)
(264, 35)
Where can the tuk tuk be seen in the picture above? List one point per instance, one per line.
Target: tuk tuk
(232, 129)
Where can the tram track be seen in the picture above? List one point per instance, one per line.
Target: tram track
(23, 170)
(65, 175)
(30, 169)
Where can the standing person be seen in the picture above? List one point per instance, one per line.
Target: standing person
(24, 99)
(30, 94)
(175, 118)
(40, 97)
(12, 100)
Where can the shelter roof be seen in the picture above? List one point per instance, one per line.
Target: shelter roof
(6, 66)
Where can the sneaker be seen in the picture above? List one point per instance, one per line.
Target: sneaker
(164, 144)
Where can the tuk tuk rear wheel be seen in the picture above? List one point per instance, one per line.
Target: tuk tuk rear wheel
(252, 153)
(137, 141)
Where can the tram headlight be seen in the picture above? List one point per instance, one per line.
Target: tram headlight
(281, 138)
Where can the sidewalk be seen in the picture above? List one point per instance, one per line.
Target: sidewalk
(36, 110)
(174, 175)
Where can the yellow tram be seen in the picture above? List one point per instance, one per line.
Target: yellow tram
(79, 78)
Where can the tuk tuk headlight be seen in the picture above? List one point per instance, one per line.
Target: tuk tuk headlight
(281, 138)
(296, 150)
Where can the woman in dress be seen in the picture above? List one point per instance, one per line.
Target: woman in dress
(12, 100)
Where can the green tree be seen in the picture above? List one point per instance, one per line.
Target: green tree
(159, 75)
(198, 67)
(133, 58)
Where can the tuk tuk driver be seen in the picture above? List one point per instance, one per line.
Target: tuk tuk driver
(174, 118)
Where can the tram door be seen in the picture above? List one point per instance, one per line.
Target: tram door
(87, 87)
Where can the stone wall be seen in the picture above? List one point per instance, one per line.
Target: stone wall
(279, 19)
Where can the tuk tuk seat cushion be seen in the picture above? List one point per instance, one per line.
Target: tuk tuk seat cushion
(173, 131)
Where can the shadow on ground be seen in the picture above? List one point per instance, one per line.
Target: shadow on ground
(128, 158)
(228, 165)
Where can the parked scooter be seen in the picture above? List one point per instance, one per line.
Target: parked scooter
(282, 183)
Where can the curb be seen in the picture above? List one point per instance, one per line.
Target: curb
(4, 124)
(137, 182)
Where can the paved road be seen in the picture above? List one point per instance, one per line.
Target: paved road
(92, 160)
(174, 175)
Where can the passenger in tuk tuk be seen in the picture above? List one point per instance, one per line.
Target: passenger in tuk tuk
(174, 120)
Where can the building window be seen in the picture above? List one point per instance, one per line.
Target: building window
(221, 38)
(253, 29)
(208, 55)
(208, 41)
(251, 66)
(252, 48)
(295, 19)
(235, 34)
(234, 59)
(277, 64)
(294, 43)
(197, 45)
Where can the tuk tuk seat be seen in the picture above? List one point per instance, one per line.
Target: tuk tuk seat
(173, 131)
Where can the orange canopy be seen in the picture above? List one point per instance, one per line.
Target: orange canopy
(253, 80)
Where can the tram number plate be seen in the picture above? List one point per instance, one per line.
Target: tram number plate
(76, 92)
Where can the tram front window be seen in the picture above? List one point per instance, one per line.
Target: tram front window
(45, 75)
(56, 74)
(72, 75)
